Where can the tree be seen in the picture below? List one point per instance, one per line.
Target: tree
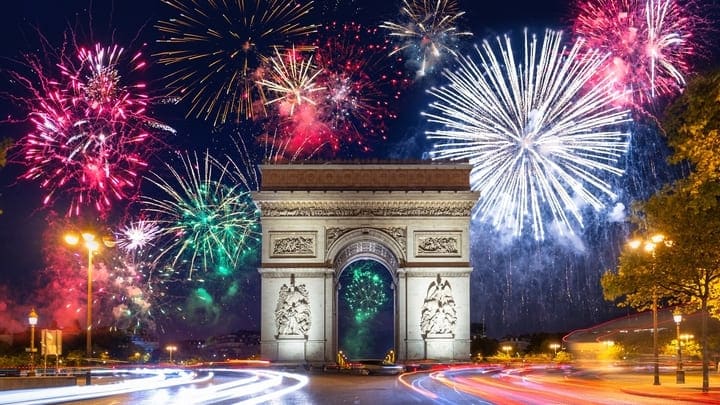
(692, 125)
(5, 145)
(687, 269)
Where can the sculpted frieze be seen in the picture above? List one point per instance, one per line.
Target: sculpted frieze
(366, 208)
(292, 244)
(438, 244)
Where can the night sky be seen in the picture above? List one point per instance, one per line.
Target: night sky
(518, 286)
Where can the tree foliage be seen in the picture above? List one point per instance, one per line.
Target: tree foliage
(685, 267)
(4, 147)
(692, 125)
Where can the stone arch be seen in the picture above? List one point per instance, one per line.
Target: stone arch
(364, 244)
(317, 220)
(367, 243)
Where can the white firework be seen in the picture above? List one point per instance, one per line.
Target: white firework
(541, 135)
(426, 31)
(137, 235)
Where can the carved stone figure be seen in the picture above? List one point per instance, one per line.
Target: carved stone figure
(292, 314)
(438, 311)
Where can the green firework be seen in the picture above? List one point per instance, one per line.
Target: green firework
(206, 214)
(365, 293)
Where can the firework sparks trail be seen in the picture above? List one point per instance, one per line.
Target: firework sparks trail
(357, 82)
(92, 134)
(207, 216)
(293, 79)
(137, 235)
(426, 32)
(650, 42)
(218, 50)
(121, 295)
(539, 134)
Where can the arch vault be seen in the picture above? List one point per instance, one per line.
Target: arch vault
(319, 218)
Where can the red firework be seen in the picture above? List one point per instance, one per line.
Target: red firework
(358, 83)
(120, 291)
(649, 43)
(91, 133)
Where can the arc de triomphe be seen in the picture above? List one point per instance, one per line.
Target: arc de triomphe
(317, 219)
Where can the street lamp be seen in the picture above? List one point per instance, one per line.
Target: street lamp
(92, 245)
(171, 349)
(679, 373)
(649, 246)
(32, 320)
(555, 347)
(507, 349)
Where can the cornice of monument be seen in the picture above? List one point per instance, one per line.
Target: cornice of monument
(354, 208)
(366, 175)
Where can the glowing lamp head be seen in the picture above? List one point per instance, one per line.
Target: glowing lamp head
(677, 317)
(635, 243)
(71, 239)
(32, 317)
(657, 238)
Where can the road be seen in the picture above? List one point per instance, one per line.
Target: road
(476, 385)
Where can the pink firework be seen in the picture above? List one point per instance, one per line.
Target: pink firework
(650, 43)
(91, 134)
(357, 84)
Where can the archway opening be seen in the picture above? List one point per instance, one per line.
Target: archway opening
(366, 320)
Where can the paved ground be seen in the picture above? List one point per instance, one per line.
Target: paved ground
(642, 385)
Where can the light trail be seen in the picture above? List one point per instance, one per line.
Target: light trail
(160, 378)
(252, 386)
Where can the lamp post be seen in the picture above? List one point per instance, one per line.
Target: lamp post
(92, 245)
(649, 246)
(679, 373)
(555, 347)
(32, 320)
(171, 349)
(507, 349)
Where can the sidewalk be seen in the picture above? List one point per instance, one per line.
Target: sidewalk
(691, 391)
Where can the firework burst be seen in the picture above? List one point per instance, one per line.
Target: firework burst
(91, 134)
(365, 294)
(539, 135)
(650, 42)
(293, 80)
(427, 32)
(218, 50)
(121, 298)
(207, 216)
(137, 235)
(358, 83)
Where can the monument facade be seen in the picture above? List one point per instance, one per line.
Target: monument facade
(318, 219)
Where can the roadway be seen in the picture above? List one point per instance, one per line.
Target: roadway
(471, 385)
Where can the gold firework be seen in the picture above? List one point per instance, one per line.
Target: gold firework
(217, 49)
